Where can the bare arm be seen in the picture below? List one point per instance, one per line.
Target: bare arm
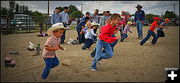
(51, 48)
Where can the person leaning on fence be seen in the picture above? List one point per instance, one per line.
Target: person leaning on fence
(65, 21)
(52, 44)
(56, 17)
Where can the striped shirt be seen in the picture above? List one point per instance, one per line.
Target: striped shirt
(52, 41)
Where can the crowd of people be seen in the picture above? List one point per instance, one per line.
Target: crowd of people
(88, 34)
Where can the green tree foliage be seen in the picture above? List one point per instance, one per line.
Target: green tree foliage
(76, 14)
(150, 17)
(4, 11)
(170, 15)
(17, 8)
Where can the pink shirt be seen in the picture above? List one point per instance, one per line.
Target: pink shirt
(52, 41)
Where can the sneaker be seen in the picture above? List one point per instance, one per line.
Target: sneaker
(93, 70)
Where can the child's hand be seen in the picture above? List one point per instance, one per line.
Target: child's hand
(56, 47)
(61, 48)
(118, 37)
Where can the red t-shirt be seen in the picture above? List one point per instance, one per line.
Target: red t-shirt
(153, 26)
(106, 33)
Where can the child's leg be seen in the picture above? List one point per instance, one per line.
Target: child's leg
(90, 43)
(146, 38)
(108, 52)
(86, 43)
(48, 62)
(55, 62)
(97, 56)
(155, 38)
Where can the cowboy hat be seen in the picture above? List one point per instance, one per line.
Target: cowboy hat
(94, 23)
(138, 6)
(129, 22)
(55, 27)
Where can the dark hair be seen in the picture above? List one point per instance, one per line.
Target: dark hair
(86, 18)
(104, 12)
(65, 7)
(87, 13)
(108, 11)
(115, 16)
(57, 8)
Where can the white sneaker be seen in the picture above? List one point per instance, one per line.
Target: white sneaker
(93, 70)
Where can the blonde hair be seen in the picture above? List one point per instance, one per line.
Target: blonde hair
(88, 23)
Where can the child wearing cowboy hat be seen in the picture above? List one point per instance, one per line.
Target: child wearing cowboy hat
(126, 29)
(89, 33)
(151, 32)
(52, 44)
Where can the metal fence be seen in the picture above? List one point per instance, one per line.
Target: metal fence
(24, 24)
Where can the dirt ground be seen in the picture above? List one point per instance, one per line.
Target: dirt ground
(130, 63)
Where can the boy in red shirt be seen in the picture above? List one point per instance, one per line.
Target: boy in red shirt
(105, 38)
(151, 32)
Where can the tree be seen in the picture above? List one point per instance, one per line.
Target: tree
(60, 8)
(150, 17)
(38, 18)
(17, 8)
(170, 15)
(11, 6)
(76, 14)
(4, 11)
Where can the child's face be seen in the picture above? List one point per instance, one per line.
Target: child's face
(115, 21)
(89, 25)
(58, 33)
(57, 11)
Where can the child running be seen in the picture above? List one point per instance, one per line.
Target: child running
(126, 29)
(163, 25)
(151, 32)
(89, 33)
(105, 38)
(52, 44)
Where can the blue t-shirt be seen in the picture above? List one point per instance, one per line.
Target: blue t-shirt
(79, 26)
(139, 15)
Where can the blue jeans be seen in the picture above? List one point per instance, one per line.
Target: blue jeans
(99, 55)
(87, 43)
(112, 46)
(50, 63)
(139, 26)
(94, 38)
(81, 37)
(124, 36)
(149, 34)
(63, 36)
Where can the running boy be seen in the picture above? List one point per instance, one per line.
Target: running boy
(126, 29)
(105, 38)
(89, 33)
(52, 44)
(151, 32)
(164, 24)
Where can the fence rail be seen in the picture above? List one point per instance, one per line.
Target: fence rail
(24, 24)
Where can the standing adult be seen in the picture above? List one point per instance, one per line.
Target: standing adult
(103, 19)
(87, 15)
(95, 17)
(56, 17)
(65, 20)
(139, 20)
